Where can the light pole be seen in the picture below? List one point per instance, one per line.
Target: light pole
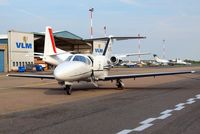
(139, 58)
(105, 30)
(164, 49)
(91, 10)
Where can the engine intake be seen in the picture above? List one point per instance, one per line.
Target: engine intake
(115, 60)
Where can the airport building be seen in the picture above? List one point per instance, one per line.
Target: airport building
(17, 48)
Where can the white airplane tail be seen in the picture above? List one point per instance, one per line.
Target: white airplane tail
(49, 43)
(52, 54)
(156, 57)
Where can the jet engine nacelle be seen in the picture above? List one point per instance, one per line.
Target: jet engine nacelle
(115, 60)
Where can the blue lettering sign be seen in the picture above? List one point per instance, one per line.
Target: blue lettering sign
(99, 50)
(28, 45)
(18, 45)
(22, 45)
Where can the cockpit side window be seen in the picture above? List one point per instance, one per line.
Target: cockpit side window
(69, 58)
(88, 61)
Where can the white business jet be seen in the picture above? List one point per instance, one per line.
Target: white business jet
(162, 61)
(91, 68)
(180, 62)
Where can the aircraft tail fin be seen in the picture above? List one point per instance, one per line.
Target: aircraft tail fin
(49, 44)
(156, 57)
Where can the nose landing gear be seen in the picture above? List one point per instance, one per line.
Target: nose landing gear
(68, 89)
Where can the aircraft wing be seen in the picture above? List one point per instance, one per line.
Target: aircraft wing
(32, 76)
(115, 38)
(131, 54)
(135, 54)
(115, 77)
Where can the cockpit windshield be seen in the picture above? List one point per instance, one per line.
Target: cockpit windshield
(82, 59)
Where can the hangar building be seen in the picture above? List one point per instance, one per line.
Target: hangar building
(17, 48)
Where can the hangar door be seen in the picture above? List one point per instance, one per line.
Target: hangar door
(1, 61)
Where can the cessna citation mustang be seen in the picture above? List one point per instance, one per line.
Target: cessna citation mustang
(91, 68)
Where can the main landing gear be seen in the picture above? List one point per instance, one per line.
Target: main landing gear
(120, 84)
(68, 89)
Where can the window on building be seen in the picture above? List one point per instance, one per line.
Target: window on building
(13, 64)
(20, 64)
(17, 64)
(26, 63)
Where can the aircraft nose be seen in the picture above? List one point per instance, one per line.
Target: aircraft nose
(61, 71)
(66, 71)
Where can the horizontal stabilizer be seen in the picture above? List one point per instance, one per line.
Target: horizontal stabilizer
(115, 38)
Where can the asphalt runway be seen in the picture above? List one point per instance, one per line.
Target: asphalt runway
(163, 105)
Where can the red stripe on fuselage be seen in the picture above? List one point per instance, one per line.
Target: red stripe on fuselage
(52, 40)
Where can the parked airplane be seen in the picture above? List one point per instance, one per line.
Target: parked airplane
(162, 61)
(180, 62)
(170, 62)
(91, 68)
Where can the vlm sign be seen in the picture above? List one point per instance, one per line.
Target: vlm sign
(98, 50)
(24, 45)
(98, 47)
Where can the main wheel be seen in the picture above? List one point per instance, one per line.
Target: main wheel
(119, 84)
(68, 89)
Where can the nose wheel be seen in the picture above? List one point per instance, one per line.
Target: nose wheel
(120, 84)
(68, 89)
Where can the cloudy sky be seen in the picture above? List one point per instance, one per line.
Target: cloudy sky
(175, 21)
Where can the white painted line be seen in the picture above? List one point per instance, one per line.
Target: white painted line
(190, 102)
(167, 111)
(142, 127)
(164, 116)
(180, 104)
(147, 121)
(126, 131)
(179, 108)
(191, 99)
(198, 96)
